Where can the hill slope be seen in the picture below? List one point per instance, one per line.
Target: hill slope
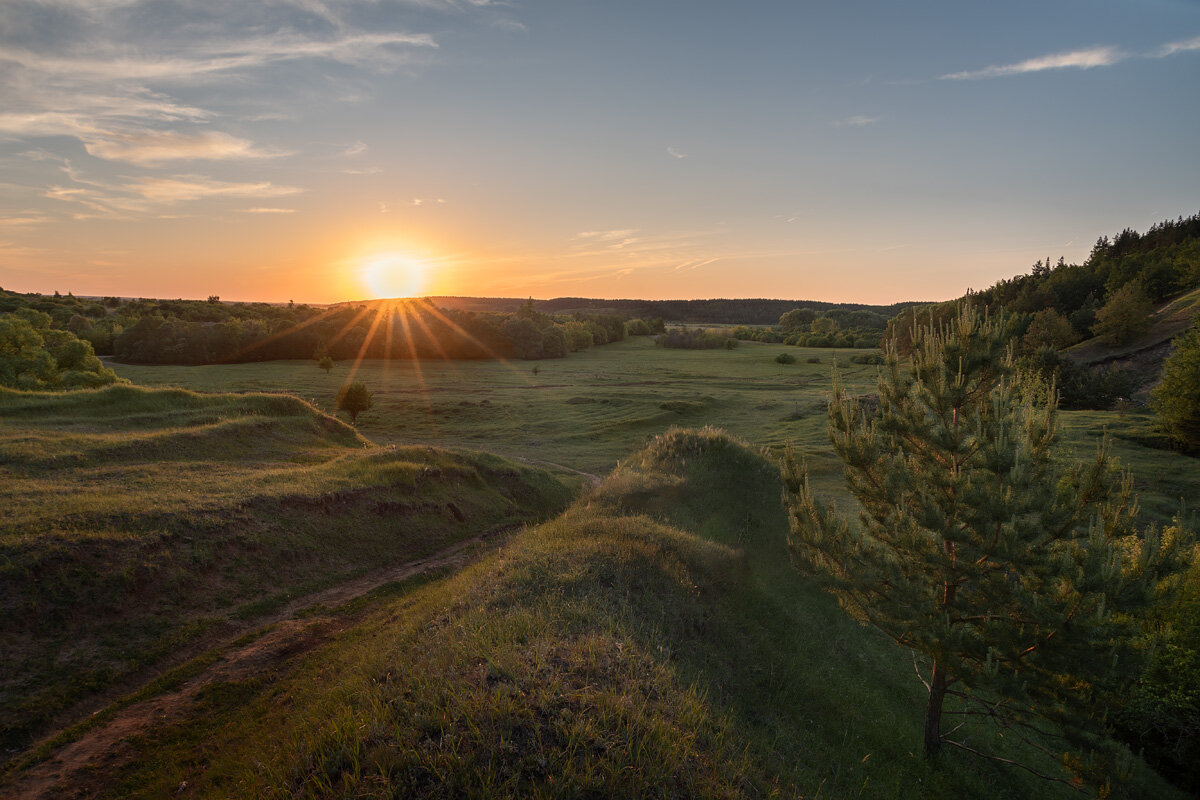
(608, 653)
(138, 520)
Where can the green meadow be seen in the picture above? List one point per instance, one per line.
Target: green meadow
(588, 411)
(650, 640)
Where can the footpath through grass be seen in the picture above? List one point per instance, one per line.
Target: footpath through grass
(650, 642)
(135, 520)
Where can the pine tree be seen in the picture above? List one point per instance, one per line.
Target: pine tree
(1004, 568)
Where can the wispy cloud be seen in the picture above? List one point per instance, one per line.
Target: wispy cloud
(149, 195)
(268, 211)
(155, 147)
(24, 220)
(1088, 58)
(1182, 46)
(137, 82)
(194, 187)
(857, 121)
(674, 153)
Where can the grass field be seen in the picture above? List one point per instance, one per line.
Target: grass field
(596, 406)
(654, 636)
(136, 520)
(650, 642)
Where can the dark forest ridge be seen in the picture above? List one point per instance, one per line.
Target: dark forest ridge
(743, 311)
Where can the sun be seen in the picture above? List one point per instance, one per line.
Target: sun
(394, 275)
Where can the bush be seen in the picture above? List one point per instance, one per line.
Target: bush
(785, 358)
(693, 339)
(867, 358)
(637, 327)
(355, 398)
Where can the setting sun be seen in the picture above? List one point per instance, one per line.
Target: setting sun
(394, 275)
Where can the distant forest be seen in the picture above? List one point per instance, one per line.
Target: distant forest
(210, 331)
(757, 311)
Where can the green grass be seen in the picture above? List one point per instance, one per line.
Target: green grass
(136, 520)
(651, 642)
(584, 411)
(594, 407)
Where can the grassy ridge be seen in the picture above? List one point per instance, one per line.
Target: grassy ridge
(613, 652)
(136, 519)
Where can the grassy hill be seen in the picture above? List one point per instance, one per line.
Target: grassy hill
(650, 642)
(139, 522)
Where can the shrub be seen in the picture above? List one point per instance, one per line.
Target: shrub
(693, 339)
(1177, 398)
(325, 363)
(637, 327)
(785, 358)
(355, 398)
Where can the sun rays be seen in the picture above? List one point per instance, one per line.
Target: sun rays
(409, 331)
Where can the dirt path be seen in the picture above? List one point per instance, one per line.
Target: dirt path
(83, 768)
(593, 480)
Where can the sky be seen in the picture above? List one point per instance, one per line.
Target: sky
(327, 150)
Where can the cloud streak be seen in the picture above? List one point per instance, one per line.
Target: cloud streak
(1087, 58)
(857, 121)
(155, 147)
(1183, 46)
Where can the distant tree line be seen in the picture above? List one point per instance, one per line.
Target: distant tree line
(720, 311)
(806, 326)
(209, 331)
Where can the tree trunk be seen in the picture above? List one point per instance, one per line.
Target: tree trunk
(933, 711)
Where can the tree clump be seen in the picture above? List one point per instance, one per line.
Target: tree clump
(1005, 570)
(1177, 398)
(35, 356)
(1125, 316)
(354, 399)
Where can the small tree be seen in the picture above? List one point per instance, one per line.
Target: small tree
(355, 398)
(325, 363)
(1005, 569)
(1124, 317)
(1177, 398)
(1048, 329)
